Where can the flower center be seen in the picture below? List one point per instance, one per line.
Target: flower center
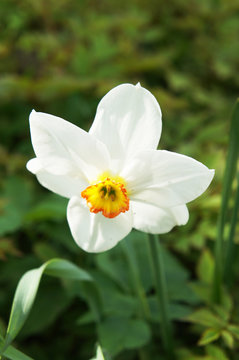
(108, 196)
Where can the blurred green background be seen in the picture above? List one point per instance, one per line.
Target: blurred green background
(61, 57)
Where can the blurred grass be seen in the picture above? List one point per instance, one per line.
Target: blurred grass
(61, 57)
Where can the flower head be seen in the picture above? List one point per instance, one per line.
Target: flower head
(114, 176)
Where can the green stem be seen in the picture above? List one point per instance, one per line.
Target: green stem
(138, 288)
(217, 282)
(161, 292)
(230, 251)
(229, 174)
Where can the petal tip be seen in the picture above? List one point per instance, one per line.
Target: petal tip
(138, 85)
(32, 115)
(33, 166)
(212, 173)
(32, 112)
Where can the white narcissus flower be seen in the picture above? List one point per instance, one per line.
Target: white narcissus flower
(115, 178)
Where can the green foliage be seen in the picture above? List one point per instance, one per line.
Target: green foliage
(27, 290)
(205, 268)
(117, 334)
(209, 335)
(216, 353)
(11, 353)
(230, 171)
(217, 325)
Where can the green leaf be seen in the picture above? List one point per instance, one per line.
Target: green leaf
(45, 312)
(205, 268)
(182, 292)
(134, 266)
(11, 353)
(139, 334)
(117, 334)
(204, 292)
(230, 171)
(65, 269)
(216, 352)
(92, 296)
(186, 354)
(231, 163)
(231, 246)
(209, 336)
(15, 200)
(223, 312)
(177, 311)
(87, 318)
(228, 338)
(23, 301)
(136, 246)
(206, 318)
(27, 289)
(110, 263)
(234, 329)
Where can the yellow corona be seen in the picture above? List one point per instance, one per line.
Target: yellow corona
(108, 196)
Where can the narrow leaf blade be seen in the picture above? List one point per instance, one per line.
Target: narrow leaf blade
(65, 269)
(27, 289)
(22, 302)
(209, 336)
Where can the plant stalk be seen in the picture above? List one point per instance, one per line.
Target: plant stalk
(230, 171)
(162, 295)
(230, 250)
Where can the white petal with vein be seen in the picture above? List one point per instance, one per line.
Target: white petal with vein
(64, 148)
(63, 185)
(152, 219)
(128, 120)
(94, 232)
(166, 179)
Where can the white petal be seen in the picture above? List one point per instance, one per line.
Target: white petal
(94, 232)
(34, 165)
(64, 148)
(63, 185)
(180, 213)
(155, 220)
(128, 120)
(166, 179)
